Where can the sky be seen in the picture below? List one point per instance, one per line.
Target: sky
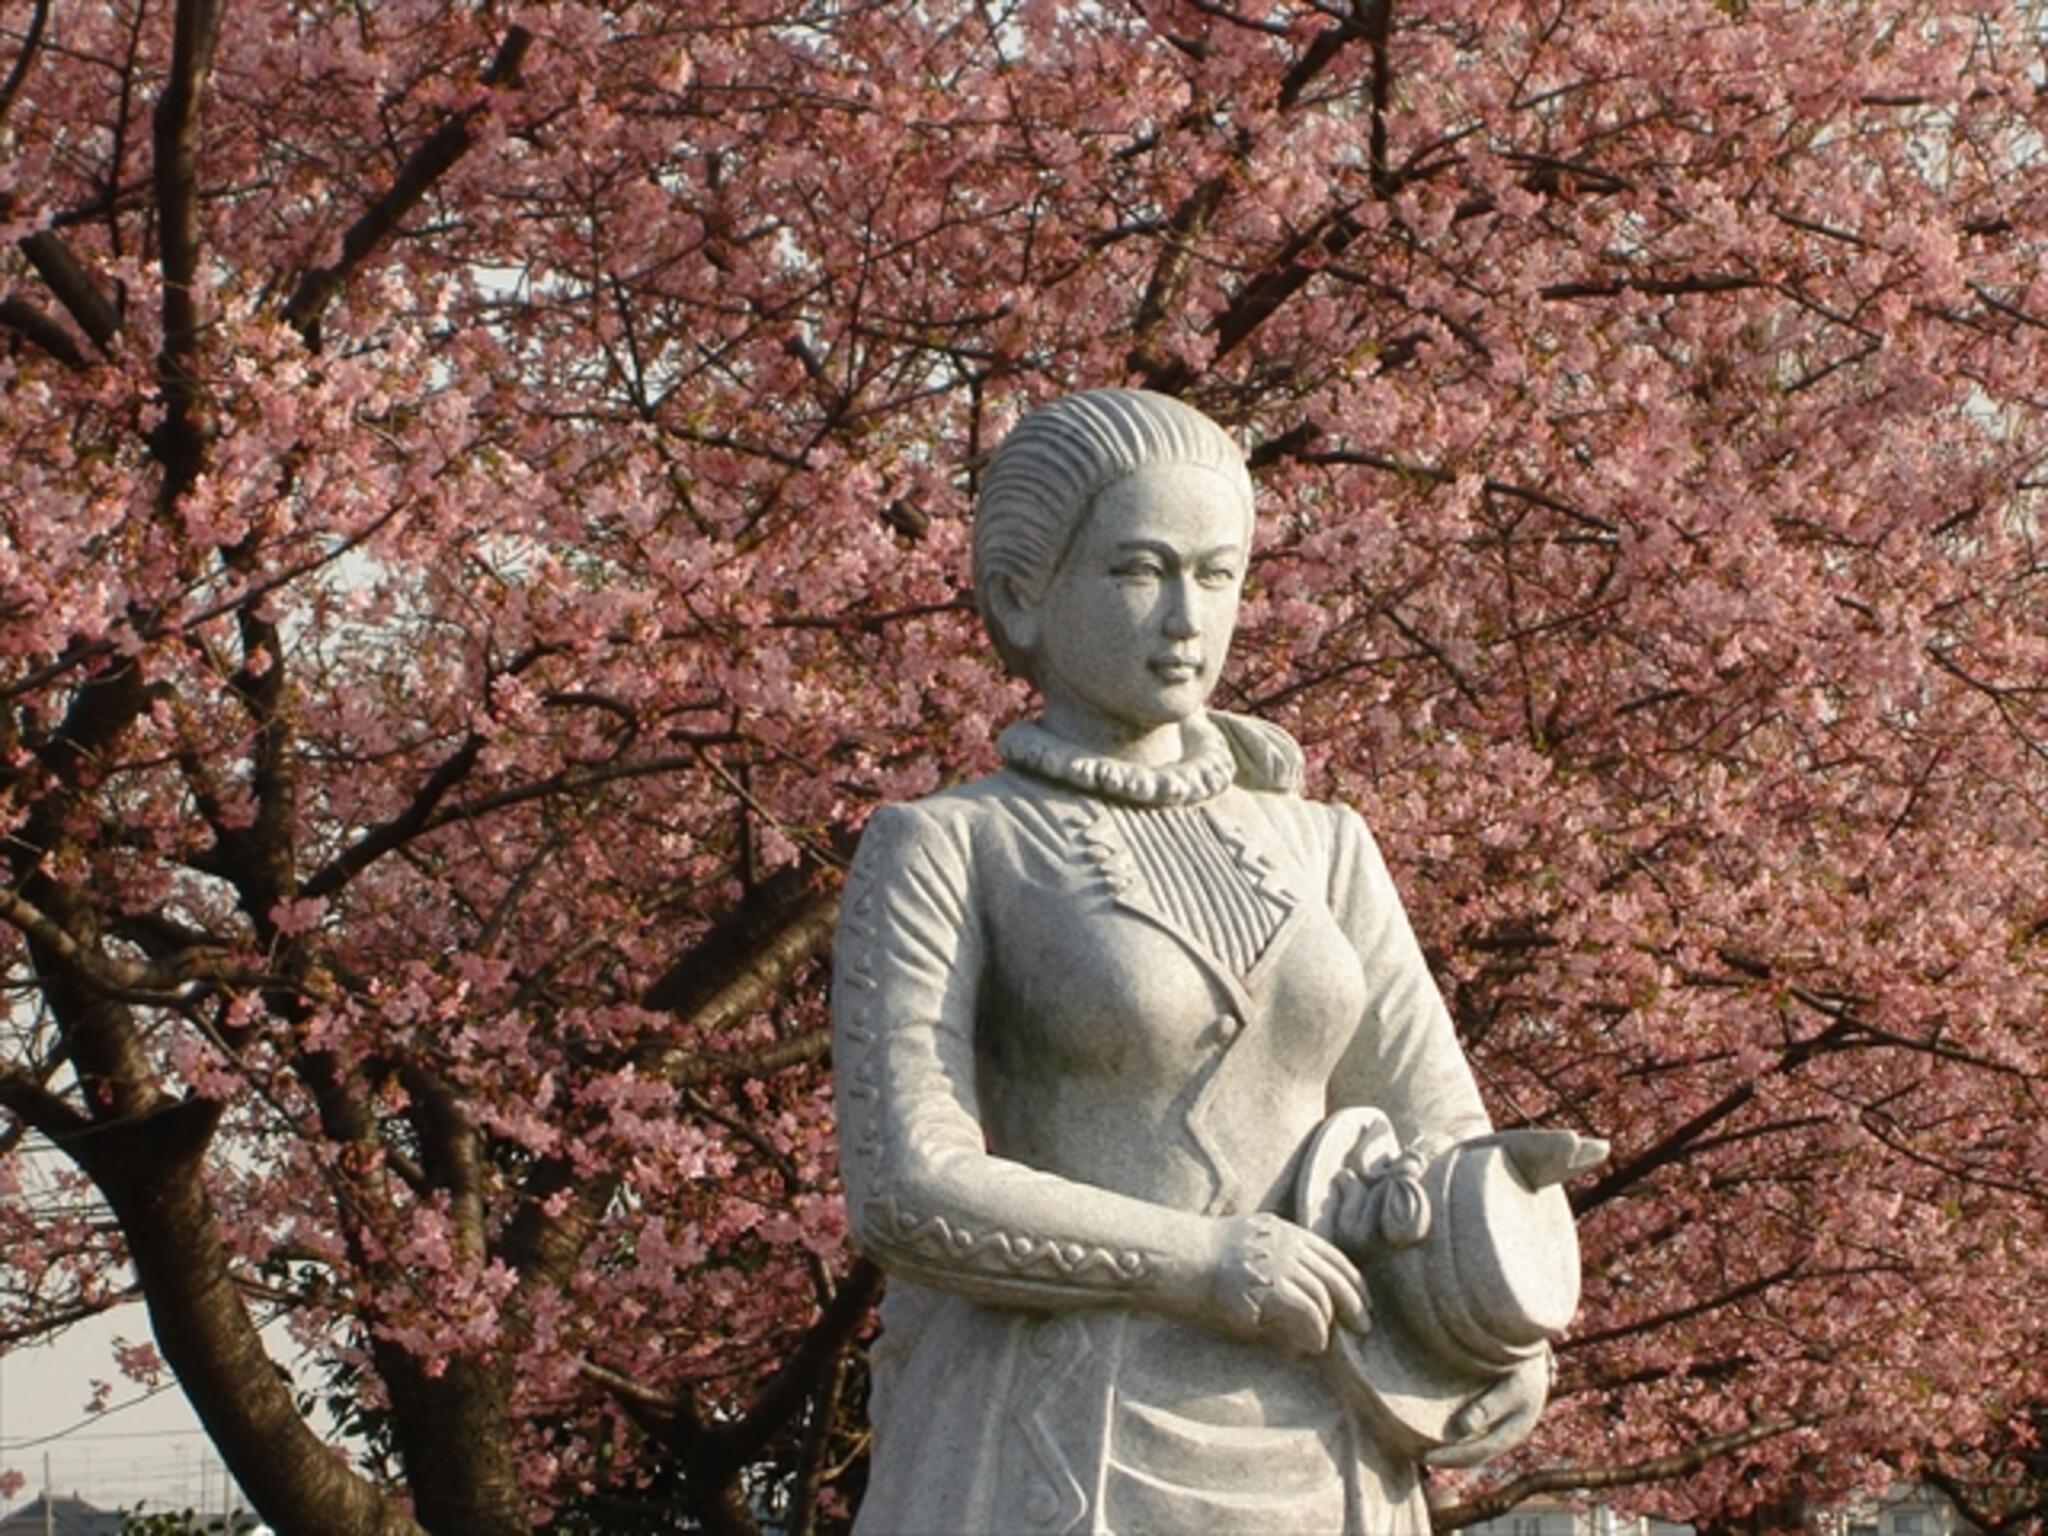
(144, 1446)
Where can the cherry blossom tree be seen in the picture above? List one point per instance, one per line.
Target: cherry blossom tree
(484, 511)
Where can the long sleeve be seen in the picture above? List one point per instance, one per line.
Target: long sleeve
(1405, 1058)
(924, 1195)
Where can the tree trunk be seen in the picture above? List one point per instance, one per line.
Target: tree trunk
(455, 1438)
(149, 1170)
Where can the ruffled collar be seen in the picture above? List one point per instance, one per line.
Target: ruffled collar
(1207, 770)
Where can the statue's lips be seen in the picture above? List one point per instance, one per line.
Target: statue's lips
(1175, 669)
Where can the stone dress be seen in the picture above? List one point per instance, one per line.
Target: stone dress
(1083, 1008)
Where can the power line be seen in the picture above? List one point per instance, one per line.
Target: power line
(124, 1434)
(89, 1419)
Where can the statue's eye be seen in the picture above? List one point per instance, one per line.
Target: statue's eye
(1141, 569)
(1218, 575)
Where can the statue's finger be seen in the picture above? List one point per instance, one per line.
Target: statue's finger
(1304, 1319)
(1487, 1409)
(1346, 1290)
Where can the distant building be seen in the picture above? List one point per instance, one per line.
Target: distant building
(1538, 1517)
(63, 1517)
(1559, 1517)
(1905, 1509)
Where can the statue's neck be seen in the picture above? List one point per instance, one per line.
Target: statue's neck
(1201, 769)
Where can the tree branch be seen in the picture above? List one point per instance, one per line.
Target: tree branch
(196, 31)
(74, 287)
(1177, 253)
(786, 1392)
(259, 858)
(64, 1317)
(1322, 52)
(1661, 287)
(1438, 476)
(158, 984)
(713, 990)
(1650, 1470)
(426, 165)
(400, 829)
(718, 1508)
(717, 1456)
(26, 1098)
(451, 1155)
(1975, 1515)
(1290, 269)
(1378, 22)
(24, 319)
(817, 1441)
(568, 781)
(177, 440)
(727, 975)
(1675, 1143)
(25, 58)
(1665, 1319)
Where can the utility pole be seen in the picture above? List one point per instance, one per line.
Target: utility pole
(49, 1509)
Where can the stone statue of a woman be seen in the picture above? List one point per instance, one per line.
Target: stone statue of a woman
(1193, 1218)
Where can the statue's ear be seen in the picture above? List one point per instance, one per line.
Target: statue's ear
(1015, 612)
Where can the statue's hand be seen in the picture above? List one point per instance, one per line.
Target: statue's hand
(1497, 1420)
(1273, 1281)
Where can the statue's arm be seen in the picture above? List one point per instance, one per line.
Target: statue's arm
(924, 1195)
(1404, 1058)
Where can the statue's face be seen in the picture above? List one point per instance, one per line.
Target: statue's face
(1132, 633)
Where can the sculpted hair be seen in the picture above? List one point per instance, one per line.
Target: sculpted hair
(1041, 484)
